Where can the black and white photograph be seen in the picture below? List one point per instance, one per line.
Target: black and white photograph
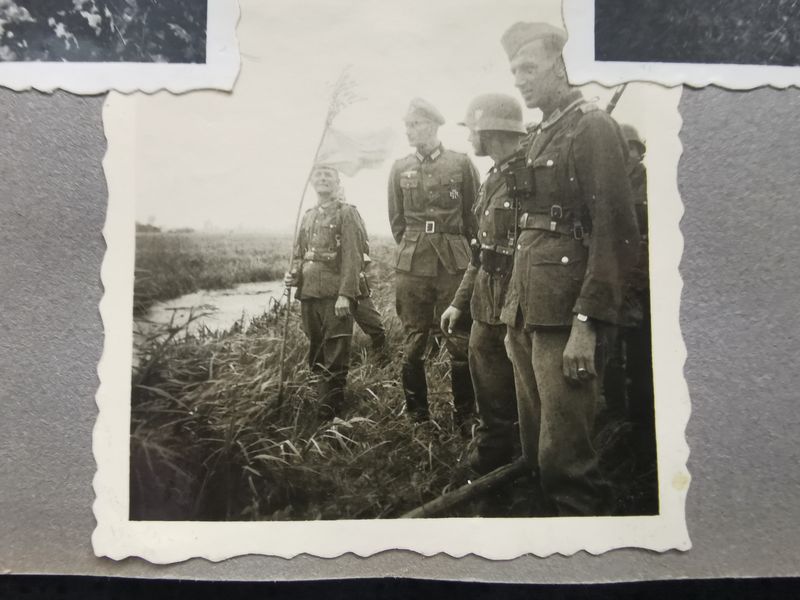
(737, 44)
(741, 32)
(409, 307)
(103, 31)
(89, 46)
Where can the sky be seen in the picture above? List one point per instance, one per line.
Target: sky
(239, 160)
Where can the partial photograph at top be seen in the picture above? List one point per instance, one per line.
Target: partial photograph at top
(740, 32)
(134, 31)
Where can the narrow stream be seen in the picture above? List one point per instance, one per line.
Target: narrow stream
(219, 309)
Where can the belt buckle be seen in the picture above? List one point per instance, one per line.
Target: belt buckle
(430, 226)
(556, 212)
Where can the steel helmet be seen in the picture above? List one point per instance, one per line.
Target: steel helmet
(494, 112)
(632, 137)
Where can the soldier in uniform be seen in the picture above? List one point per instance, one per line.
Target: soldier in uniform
(365, 315)
(577, 240)
(633, 353)
(431, 194)
(628, 375)
(496, 128)
(328, 261)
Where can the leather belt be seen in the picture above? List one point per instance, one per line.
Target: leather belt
(546, 222)
(432, 227)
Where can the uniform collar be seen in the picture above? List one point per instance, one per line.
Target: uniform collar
(497, 167)
(571, 101)
(437, 152)
(327, 206)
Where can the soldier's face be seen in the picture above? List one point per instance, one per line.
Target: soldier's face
(535, 73)
(477, 142)
(420, 132)
(325, 181)
(635, 152)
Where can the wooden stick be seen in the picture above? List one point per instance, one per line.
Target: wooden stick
(333, 108)
(472, 490)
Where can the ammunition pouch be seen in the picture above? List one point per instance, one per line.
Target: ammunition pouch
(520, 179)
(498, 260)
(505, 226)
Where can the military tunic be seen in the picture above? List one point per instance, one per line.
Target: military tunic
(328, 260)
(577, 243)
(430, 200)
(482, 293)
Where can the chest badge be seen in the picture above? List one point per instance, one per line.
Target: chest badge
(454, 194)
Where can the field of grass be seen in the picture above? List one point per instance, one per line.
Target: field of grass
(169, 265)
(209, 439)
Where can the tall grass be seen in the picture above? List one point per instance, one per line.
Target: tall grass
(169, 265)
(208, 440)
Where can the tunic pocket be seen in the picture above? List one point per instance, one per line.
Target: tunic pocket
(460, 249)
(405, 250)
(544, 173)
(410, 185)
(449, 191)
(555, 268)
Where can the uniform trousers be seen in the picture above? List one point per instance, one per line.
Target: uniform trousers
(556, 419)
(493, 381)
(329, 339)
(420, 302)
(369, 319)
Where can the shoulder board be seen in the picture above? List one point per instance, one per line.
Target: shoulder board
(588, 107)
(531, 127)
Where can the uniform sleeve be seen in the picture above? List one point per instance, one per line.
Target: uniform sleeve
(463, 294)
(397, 219)
(472, 182)
(605, 190)
(350, 252)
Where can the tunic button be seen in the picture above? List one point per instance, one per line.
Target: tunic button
(483, 234)
(505, 205)
(564, 260)
(530, 161)
(549, 162)
(519, 246)
(486, 213)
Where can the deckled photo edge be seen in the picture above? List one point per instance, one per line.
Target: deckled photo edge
(582, 68)
(166, 542)
(219, 72)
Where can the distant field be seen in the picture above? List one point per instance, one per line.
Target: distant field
(169, 265)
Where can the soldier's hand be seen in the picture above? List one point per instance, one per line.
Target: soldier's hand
(290, 279)
(579, 352)
(342, 307)
(450, 317)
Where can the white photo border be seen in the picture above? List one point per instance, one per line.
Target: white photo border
(582, 68)
(219, 72)
(117, 537)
